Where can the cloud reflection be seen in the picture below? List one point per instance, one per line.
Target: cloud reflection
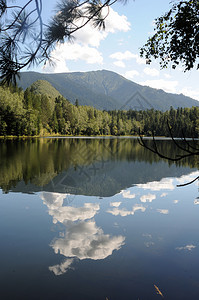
(167, 183)
(163, 211)
(62, 268)
(187, 247)
(123, 212)
(62, 214)
(85, 240)
(196, 201)
(149, 244)
(53, 200)
(115, 204)
(187, 178)
(127, 194)
(175, 201)
(163, 184)
(163, 195)
(147, 198)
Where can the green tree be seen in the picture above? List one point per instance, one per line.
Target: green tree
(176, 37)
(77, 102)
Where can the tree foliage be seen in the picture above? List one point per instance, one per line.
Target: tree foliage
(25, 40)
(176, 38)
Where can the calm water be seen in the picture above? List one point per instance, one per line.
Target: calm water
(84, 219)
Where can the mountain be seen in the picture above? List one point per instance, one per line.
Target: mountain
(108, 90)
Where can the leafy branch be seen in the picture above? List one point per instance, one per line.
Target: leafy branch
(176, 37)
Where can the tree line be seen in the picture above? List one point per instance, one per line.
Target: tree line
(25, 113)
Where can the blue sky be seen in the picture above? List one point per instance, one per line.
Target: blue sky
(117, 48)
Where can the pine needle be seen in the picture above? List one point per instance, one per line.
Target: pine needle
(158, 291)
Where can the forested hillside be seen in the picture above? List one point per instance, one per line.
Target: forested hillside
(44, 87)
(32, 113)
(108, 90)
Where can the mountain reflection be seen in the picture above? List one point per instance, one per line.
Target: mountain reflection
(95, 166)
(82, 239)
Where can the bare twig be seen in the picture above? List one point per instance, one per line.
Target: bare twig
(190, 151)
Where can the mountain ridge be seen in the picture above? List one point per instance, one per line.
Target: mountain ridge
(107, 90)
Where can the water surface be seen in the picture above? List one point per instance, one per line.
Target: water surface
(96, 218)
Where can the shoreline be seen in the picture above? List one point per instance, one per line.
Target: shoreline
(91, 137)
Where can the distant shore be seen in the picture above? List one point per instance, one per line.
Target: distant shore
(90, 137)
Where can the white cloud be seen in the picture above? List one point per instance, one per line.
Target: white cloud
(190, 92)
(72, 52)
(62, 268)
(114, 22)
(127, 194)
(168, 76)
(131, 74)
(85, 240)
(140, 61)
(86, 40)
(127, 55)
(115, 204)
(187, 247)
(166, 85)
(119, 63)
(151, 71)
(88, 35)
(163, 211)
(58, 66)
(147, 198)
(123, 212)
(163, 184)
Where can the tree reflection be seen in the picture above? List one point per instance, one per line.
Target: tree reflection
(82, 166)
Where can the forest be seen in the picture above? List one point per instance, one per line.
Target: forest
(26, 113)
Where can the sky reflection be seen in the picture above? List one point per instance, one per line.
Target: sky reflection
(123, 212)
(82, 239)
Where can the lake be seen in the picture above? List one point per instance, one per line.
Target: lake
(97, 218)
